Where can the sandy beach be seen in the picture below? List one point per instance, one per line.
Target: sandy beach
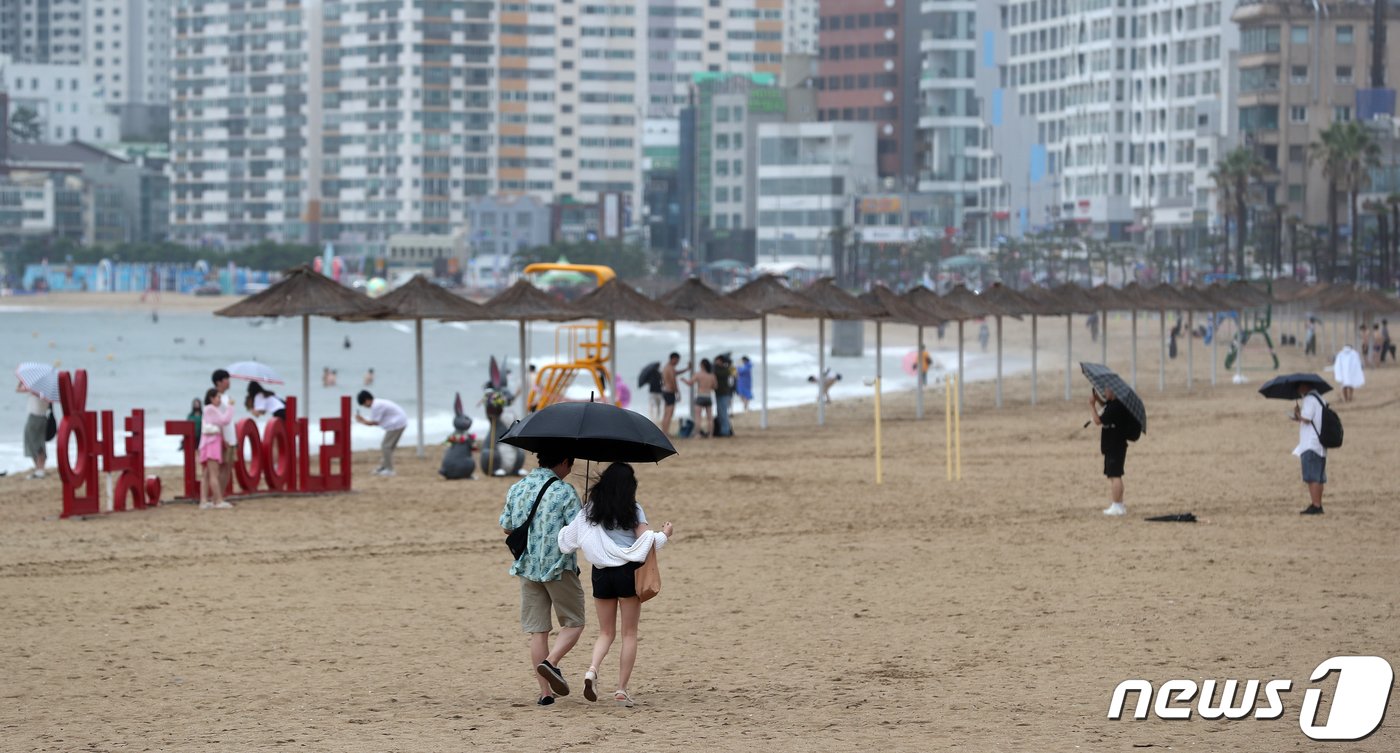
(803, 608)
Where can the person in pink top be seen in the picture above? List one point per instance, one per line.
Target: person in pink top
(218, 413)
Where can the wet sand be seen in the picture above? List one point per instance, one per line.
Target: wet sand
(803, 608)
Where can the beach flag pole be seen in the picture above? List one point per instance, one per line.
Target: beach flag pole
(948, 423)
(763, 353)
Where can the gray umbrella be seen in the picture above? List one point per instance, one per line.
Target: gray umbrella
(1104, 378)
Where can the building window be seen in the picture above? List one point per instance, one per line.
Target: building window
(1299, 74)
(1297, 193)
(1297, 114)
(1298, 35)
(1344, 74)
(1341, 114)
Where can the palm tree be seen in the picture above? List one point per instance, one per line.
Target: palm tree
(1347, 152)
(1232, 177)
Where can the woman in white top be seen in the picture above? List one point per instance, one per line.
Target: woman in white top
(36, 426)
(262, 402)
(613, 533)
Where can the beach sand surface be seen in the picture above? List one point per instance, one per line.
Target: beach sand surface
(803, 607)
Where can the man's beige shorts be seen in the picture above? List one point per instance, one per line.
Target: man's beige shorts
(565, 594)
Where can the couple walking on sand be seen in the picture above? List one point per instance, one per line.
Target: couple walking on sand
(613, 533)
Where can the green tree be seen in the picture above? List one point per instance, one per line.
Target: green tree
(25, 125)
(1347, 152)
(1232, 177)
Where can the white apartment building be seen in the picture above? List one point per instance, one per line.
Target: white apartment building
(685, 37)
(128, 45)
(42, 31)
(348, 122)
(801, 18)
(572, 87)
(808, 174)
(1128, 100)
(62, 97)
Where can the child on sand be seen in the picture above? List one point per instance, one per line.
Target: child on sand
(218, 413)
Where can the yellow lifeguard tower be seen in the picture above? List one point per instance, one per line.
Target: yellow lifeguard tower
(585, 348)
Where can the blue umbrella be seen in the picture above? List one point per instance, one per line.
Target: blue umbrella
(1286, 387)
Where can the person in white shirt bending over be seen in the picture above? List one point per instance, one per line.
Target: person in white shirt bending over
(387, 415)
(35, 430)
(613, 533)
(264, 402)
(1308, 414)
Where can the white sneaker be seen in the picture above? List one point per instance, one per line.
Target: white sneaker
(206, 505)
(386, 472)
(1116, 508)
(221, 506)
(37, 474)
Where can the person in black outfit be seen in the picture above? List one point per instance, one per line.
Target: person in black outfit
(1118, 424)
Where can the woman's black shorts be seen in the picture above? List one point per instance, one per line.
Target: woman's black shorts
(1113, 463)
(615, 582)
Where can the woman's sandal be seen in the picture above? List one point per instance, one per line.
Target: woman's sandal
(622, 698)
(590, 680)
(545, 700)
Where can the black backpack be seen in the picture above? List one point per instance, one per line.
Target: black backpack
(1330, 435)
(1133, 430)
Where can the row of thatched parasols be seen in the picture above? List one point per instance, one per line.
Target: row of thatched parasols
(305, 293)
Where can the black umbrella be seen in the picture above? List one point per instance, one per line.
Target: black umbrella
(1286, 387)
(591, 431)
(1104, 378)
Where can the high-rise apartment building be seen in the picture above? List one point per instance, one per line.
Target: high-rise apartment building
(571, 89)
(1127, 100)
(801, 18)
(42, 31)
(685, 37)
(348, 122)
(1301, 68)
(127, 42)
(860, 72)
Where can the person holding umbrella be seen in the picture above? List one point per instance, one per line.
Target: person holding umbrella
(548, 577)
(1119, 412)
(588, 431)
(1308, 413)
(39, 382)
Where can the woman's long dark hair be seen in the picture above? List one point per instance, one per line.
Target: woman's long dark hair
(613, 500)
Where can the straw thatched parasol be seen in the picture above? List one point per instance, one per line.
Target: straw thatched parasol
(1007, 302)
(616, 300)
(523, 302)
(945, 310)
(1108, 298)
(1037, 301)
(693, 300)
(420, 299)
(766, 295)
(1143, 299)
(305, 293)
(836, 303)
(1069, 299)
(979, 306)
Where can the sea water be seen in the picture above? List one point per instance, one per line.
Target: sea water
(161, 364)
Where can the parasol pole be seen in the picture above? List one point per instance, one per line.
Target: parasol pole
(693, 369)
(1162, 360)
(1035, 329)
(306, 364)
(763, 353)
(821, 371)
(879, 348)
(920, 374)
(960, 364)
(1190, 349)
(1069, 352)
(418, 360)
(1133, 338)
(998, 361)
(1214, 345)
(612, 352)
(1103, 336)
(524, 372)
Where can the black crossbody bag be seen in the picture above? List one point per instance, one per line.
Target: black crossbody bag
(518, 540)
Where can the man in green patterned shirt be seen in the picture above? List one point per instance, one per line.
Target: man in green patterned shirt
(548, 577)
